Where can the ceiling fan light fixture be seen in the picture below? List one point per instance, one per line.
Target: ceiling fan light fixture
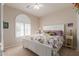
(36, 6)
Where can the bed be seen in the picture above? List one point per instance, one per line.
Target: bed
(44, 44)
(47, 42)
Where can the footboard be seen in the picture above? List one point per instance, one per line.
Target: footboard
(38, 48)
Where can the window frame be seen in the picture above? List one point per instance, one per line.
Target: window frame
(24, 31)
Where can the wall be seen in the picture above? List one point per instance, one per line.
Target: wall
(0, 22)
(10, 16)
(63, 16)
(60, 17)
(78, 32)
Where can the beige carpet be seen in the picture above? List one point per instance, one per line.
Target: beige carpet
(20, 51)
(68, 52)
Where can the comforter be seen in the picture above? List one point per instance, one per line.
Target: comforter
(54, 42)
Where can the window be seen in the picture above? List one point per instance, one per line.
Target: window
(23, 26)
(22, 29)
(19, 29)
(27, 29)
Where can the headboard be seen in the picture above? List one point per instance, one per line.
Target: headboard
(54, 30)
(54, 33)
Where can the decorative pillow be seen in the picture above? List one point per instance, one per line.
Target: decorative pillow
(41, 40)
(50, 42)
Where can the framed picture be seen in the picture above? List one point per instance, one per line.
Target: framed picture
(5, 25)
(70, 24)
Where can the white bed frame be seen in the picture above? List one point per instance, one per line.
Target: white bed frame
(38, 48)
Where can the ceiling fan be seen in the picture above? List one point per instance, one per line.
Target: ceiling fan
(35, 6)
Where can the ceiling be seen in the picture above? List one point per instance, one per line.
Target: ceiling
(46, 9)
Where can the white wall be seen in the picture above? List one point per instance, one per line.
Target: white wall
(63, 16)
(0, 22)
(10, 16)
(78, 32)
